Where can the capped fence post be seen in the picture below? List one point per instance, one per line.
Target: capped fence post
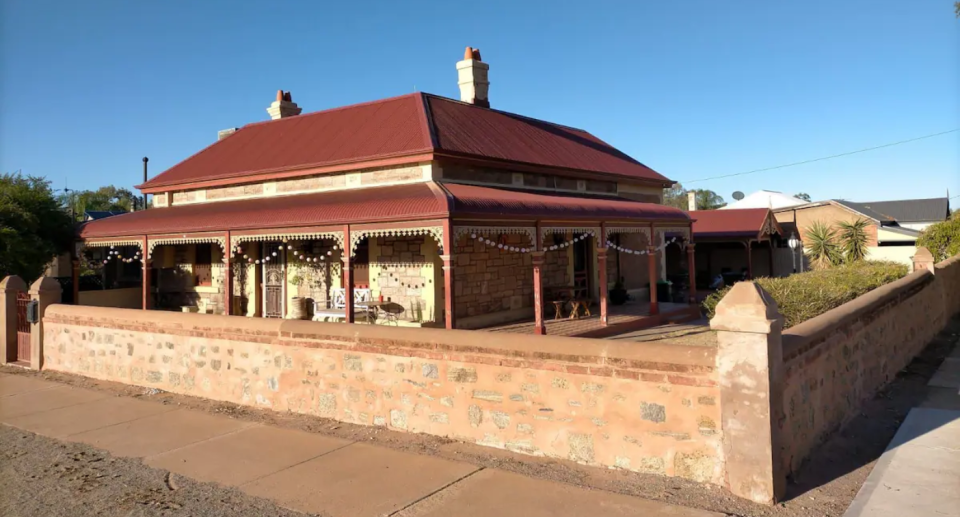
(46, 291)
(923, 259)
(750, 367)
(9, 288)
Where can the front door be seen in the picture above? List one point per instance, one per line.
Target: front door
(274, 280)
(581, 268)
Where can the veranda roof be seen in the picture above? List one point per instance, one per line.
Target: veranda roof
(735, 224)
(417, 201)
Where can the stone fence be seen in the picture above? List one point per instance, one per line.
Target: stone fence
(643, 407)
(743, 414)
(798, 386)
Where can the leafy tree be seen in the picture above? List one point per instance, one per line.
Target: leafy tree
(853, 240)
(804, 196)
(105, 199)
(676, 197)
(820, 242)
(33, 226)
(956, 8)
(942, 239)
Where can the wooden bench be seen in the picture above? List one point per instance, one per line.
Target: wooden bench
(561, 296)
(338, 311)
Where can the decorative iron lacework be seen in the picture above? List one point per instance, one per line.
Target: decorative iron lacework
(219, 241)
(460, 231)
(546, 230)
(433, 231)
(235, 240)
(684, 231)
(642, 230)
(110, 243)
(769, 226)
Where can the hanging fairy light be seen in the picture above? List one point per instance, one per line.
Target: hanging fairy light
(629, 251)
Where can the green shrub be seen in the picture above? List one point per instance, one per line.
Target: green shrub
(806, 295)
(942, 239)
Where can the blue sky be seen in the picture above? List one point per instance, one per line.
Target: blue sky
(694, 89)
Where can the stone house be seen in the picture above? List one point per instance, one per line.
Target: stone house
(463, 215)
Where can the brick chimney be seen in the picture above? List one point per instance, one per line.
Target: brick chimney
(472, 78)
(283, 107)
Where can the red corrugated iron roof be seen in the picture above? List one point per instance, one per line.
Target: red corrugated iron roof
(465, 129)
(401, 202)
(744, 222)
(380, 204)
(469, 200)
(405, 126)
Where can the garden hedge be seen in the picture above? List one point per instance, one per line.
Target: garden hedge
(803, 296)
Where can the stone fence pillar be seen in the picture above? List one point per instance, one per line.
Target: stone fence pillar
(9, 288)
(45, 291)
(750, 367)
(923, 259)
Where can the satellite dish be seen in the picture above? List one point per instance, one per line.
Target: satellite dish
(738, 195)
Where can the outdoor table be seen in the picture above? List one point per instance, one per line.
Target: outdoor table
(576, 303)
(389, 310)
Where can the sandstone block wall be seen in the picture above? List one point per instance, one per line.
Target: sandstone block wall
(489, 280)
(838, 360)
(641, 407)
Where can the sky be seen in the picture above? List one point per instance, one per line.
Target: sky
(694, 89)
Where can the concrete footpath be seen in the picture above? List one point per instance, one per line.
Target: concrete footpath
(301, 471)
(919, 473)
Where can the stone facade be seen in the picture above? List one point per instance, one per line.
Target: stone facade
(407, 270)
(303, 185)
(489, 280)
(646, 408)
(837, 361)
(458, 173)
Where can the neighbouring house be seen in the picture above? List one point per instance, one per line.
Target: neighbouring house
(736, 243)
(61, 266)
(893, 225)
(93, 215)
(765, 199)
(457, 214)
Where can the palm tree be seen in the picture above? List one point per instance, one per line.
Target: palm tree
(853, 240)
(821, 246)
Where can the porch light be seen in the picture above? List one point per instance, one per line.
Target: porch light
(793, 242)
(274, 254)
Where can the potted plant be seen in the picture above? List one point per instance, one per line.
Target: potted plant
(618, 295)
(663, 290)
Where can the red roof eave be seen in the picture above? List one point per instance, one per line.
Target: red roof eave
(399, 203)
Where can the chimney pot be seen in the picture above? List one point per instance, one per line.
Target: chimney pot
(223, 133)
(284, 106)
(472, 78)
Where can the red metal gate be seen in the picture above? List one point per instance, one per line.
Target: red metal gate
(23, 327)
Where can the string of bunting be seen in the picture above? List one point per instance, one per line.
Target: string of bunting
(518, 249)
(115, 254)
(300, 255)
(639, 252)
